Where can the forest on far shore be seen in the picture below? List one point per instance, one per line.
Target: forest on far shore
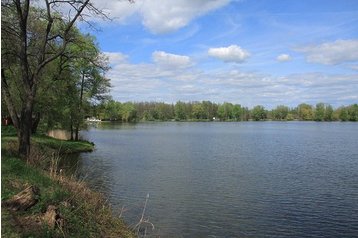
(208, 111)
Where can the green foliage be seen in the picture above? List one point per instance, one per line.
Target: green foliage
(305, 112)
(281, 113)
(353, 112)
(320, 112)
(128, 112)
(225, 111)
(8, 131)
(258, 113)
(237, 112)
(343, 114)
(69, 85)
(180, 111)
(198, 111)
(328, 115)
(207, 111)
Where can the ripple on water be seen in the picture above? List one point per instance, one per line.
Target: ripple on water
(231, 179)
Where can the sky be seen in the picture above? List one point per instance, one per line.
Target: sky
(249, 52)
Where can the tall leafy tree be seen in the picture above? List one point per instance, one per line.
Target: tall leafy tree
(88, 69)
(328, 114)
(258, 113)
(320, 112)
(198, 111)
(280, 112)
(180, 112)
(225, 111)
(305, 112)
(36, 47)
(353, 112)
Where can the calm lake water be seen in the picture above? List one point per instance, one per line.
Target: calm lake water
(247, 179)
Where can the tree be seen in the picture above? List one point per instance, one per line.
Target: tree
(37, 46)
(343, 114)
(353, 112)
(210, 109)
(88, 69)
(237, 112)
(328, 114)
(319, 112)
(198, 111)
(305, 112)
(112, 110)
(225, 111)
(179, 110)
(258, 113)
(128, 112)
(280, 113)
(245, 115)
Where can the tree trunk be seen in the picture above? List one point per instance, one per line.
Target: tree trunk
(78, 123)
(35, 123)
(25, 130)
(8, 100)
(71, 129)
(76, 132)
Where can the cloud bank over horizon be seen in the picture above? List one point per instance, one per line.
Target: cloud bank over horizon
(332, 53)
(237, 51)
(155, 82)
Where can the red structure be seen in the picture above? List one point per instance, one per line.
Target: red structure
(5, 121)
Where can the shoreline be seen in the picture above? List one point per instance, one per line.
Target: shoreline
(85, 212)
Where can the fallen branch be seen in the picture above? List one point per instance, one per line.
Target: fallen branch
(23, 200)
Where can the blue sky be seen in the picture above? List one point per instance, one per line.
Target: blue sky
(267, 52)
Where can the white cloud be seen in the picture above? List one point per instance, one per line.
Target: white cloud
(284, 58)
(170, 60)
(152, 82)
(332, 53)
(166, 16)
(232, 53)
(116, 57)
(160, 16)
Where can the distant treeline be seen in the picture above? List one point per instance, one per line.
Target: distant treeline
(209, 111)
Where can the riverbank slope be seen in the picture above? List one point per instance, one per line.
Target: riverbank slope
(80, 212)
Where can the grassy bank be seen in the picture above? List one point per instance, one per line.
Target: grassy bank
(8, 137)
(85, 213)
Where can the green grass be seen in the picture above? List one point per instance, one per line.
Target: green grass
(85, 212)
(8, 131)
(8, 135)
(16, 176)
(62, 145)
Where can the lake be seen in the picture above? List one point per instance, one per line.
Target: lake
(244, 179)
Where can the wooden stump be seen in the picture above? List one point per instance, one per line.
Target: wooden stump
(52, 217)
(23, 200)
